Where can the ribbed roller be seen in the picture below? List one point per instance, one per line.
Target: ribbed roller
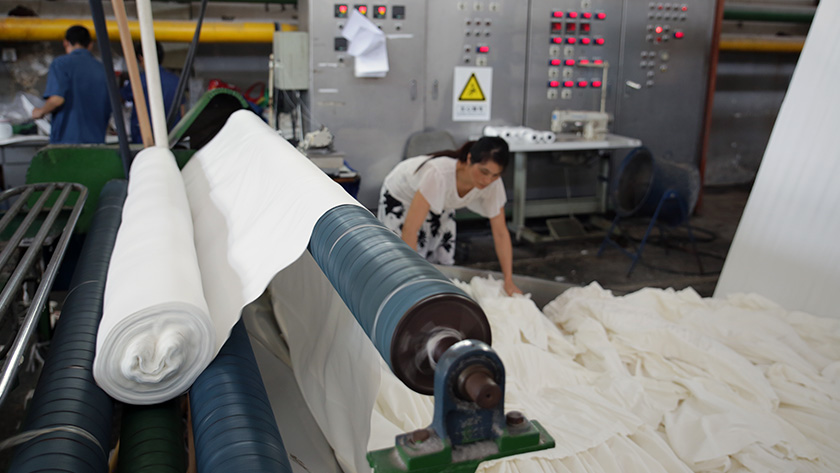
(399, 298)
(152, 439)
(233, 423)
(66, 394)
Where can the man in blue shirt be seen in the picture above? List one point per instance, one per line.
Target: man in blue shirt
(168, 87)
(76, 93)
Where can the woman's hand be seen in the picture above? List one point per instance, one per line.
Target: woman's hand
(510, 288)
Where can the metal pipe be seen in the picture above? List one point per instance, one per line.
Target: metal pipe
(185, 71)
(12, 364)
(10, 214)
(13, 242)
(774, 13)
(170, 31)
(111, 81)
(762, 44)
(150, 62)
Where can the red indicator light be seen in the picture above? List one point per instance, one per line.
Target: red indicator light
(587, 15)
(554, 83)
(596, 83)
(573, 14)
(554, 62)
(585, 41)
(598, 61)
(601, 16)
(569, 83)
(585, 27)
(342, 8)
(583, 62)
(484, 49)
(658, 39)
(582, 83)
(599, 41)
(557, 40)
(557, 14)
(658, 30)
(679, 35)
(381, 10)
(570, 62)
(571, 40)
(659, 7)
(363, 9)
(684, 8)
(556, 27)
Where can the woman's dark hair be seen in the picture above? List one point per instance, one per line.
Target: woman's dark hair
(487, 148)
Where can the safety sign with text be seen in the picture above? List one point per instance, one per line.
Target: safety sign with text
(471, 94)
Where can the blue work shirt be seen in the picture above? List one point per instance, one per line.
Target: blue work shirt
(168, 87)
(80, 79)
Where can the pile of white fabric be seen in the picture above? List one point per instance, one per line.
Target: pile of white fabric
(655, 381)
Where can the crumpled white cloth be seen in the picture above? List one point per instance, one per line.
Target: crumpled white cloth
(195, 247)
(655, 381)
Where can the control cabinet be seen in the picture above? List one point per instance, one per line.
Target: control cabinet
(370, 118)
(475, 33)
(663, 76)
(569, 44)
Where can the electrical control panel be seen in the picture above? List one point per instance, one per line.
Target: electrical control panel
(370, 118)
(664, 73)
(570, 44)
(475, 33)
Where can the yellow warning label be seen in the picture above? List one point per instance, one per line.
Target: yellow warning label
(472, 91)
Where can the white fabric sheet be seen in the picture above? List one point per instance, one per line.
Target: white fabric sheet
(195, 247)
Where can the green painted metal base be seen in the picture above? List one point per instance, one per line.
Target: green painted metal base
(435, 455)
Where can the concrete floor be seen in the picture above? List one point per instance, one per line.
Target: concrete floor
(665, 262)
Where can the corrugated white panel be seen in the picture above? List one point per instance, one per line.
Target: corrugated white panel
(787, 246)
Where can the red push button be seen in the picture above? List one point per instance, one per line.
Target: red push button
(583, 62)
(587, 15)
(569, 83)
(585, 41)
(571, 40)
(598, 61)
(601, 16)
(582, 83)
(557, 14)
(599, 41)
(554, 84)
(679, 34)
(573, 14)
(554, 62)
(557, 40)
(596, 83)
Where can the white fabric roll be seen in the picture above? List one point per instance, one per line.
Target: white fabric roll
(156, 335)
(493, 130)
(547, 137)
(195, 247)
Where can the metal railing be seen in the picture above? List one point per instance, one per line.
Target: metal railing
(18, 199)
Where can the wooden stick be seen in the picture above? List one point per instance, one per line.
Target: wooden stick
(133, 73)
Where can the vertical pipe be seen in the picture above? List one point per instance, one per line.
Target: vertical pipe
(133, 73)
(150, 61)
(114, 94)
(185, 72)
(710, 100)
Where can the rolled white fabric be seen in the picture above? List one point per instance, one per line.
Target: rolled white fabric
(547, 137)
(493, 130)
(156, 335)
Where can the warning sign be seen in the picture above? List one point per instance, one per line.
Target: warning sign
(471, 94)
(472, 91)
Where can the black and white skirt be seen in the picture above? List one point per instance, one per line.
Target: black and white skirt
(436, 238)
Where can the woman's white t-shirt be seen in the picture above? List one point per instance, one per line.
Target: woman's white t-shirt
(436, 181)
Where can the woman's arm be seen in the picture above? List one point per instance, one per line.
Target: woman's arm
(504, 250)
(414, 218)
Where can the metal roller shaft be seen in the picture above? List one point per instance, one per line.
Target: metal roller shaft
(410, 311)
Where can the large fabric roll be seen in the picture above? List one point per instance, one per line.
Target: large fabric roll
(197, 246)
(156, 334)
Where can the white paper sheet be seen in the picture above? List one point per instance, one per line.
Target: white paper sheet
(367, 45)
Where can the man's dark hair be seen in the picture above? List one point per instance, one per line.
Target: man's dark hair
(78, 35)
(138, 50)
